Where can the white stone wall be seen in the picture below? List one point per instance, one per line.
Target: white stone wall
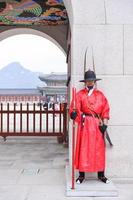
(107, 26)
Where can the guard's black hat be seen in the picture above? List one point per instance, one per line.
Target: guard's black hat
(90, 76)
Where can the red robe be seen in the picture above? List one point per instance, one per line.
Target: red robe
(90, 145)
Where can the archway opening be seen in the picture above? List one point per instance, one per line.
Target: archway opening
(47, 18)
(28, 60)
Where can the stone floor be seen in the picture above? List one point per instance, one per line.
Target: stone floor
(34, 169)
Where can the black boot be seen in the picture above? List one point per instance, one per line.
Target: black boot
(81, 177)
(102, 177)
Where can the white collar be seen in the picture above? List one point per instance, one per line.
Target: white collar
(90, 91)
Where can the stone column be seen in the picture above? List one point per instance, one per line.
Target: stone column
(108, 27)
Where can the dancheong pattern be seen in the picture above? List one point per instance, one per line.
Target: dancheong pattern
(32, 12)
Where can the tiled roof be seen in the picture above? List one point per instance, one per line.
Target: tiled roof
(19, 92)
(53, 77)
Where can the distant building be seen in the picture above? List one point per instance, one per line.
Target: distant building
(55, 90)
(20, 95)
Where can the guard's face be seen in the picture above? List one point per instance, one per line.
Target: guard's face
(89, 83)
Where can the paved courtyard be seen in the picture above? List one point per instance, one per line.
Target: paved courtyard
(34, 169)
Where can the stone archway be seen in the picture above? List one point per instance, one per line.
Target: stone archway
(16, 31)
(52, 20)
(59, 35)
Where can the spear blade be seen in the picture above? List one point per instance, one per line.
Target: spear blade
(85, 59)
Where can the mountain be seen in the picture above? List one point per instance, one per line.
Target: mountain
(14, 75)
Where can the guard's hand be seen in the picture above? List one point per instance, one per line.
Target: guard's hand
(73, 115)
(103, 128)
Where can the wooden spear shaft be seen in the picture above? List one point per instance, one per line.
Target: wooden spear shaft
(73, 139)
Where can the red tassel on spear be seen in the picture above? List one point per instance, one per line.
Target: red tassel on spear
(73, 137)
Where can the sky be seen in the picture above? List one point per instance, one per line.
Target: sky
(32, 52)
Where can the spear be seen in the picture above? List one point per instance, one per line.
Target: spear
(73, 138)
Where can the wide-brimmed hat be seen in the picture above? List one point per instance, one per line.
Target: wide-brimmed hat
(90, 76)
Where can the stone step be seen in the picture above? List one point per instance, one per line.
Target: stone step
(90, 188)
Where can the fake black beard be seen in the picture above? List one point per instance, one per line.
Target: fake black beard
(90, 87)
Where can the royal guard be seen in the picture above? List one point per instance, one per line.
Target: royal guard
(91, 112)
